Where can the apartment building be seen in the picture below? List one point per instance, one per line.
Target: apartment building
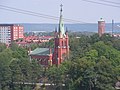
(10, 32)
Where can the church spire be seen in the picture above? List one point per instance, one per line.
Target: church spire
(61, 25)
(61, 9)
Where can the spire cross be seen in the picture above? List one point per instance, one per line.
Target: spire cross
(61, 7)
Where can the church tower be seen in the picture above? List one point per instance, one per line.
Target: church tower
(61, 41)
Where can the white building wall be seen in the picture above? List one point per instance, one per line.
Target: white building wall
(5, 34)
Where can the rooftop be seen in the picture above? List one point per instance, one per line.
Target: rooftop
(41, 51)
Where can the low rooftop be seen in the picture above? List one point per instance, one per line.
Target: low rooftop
(41, 51)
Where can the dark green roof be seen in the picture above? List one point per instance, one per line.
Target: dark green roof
(41, 51)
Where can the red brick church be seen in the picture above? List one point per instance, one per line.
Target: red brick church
(49, 56)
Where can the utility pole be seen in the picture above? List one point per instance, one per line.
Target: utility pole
(112, 26)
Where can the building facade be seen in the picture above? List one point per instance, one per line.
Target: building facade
(101, 27)
(10, 32)
(55, 56)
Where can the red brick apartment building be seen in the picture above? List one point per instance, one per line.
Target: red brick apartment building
(10, 32)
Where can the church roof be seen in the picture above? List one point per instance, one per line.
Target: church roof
(41, 51)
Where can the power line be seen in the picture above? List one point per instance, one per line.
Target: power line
(54, 17)
(102, 3)
(36, 14)
(27, 11)
(110, 2)
(32, 14)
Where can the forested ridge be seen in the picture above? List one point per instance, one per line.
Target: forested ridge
(93, 64)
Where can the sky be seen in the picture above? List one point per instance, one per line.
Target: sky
(77, 10)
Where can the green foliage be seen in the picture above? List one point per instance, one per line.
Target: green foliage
(47, 44)
(33, 46)
(5, 72)
(36, 71)
(94, 38)
(79, 46)
(108, 51)
(13, 46)
(94, 64)
(2, 47)
(116, 44)
(92, 54)
(106, 38)
(15, 67)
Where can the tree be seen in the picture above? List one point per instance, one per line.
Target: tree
(5, 72)
(106, 38)
(92, 54)
(116, 44)
(2, 47)
(80, 74)
(36, 71)
(16, 73)
(13, 46)
(94, 38)
(105, 74)
(108, 51)
(79, 46)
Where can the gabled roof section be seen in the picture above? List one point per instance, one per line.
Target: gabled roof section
(41, 51)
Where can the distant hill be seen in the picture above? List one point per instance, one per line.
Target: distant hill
(51, 27)
(29, 27)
